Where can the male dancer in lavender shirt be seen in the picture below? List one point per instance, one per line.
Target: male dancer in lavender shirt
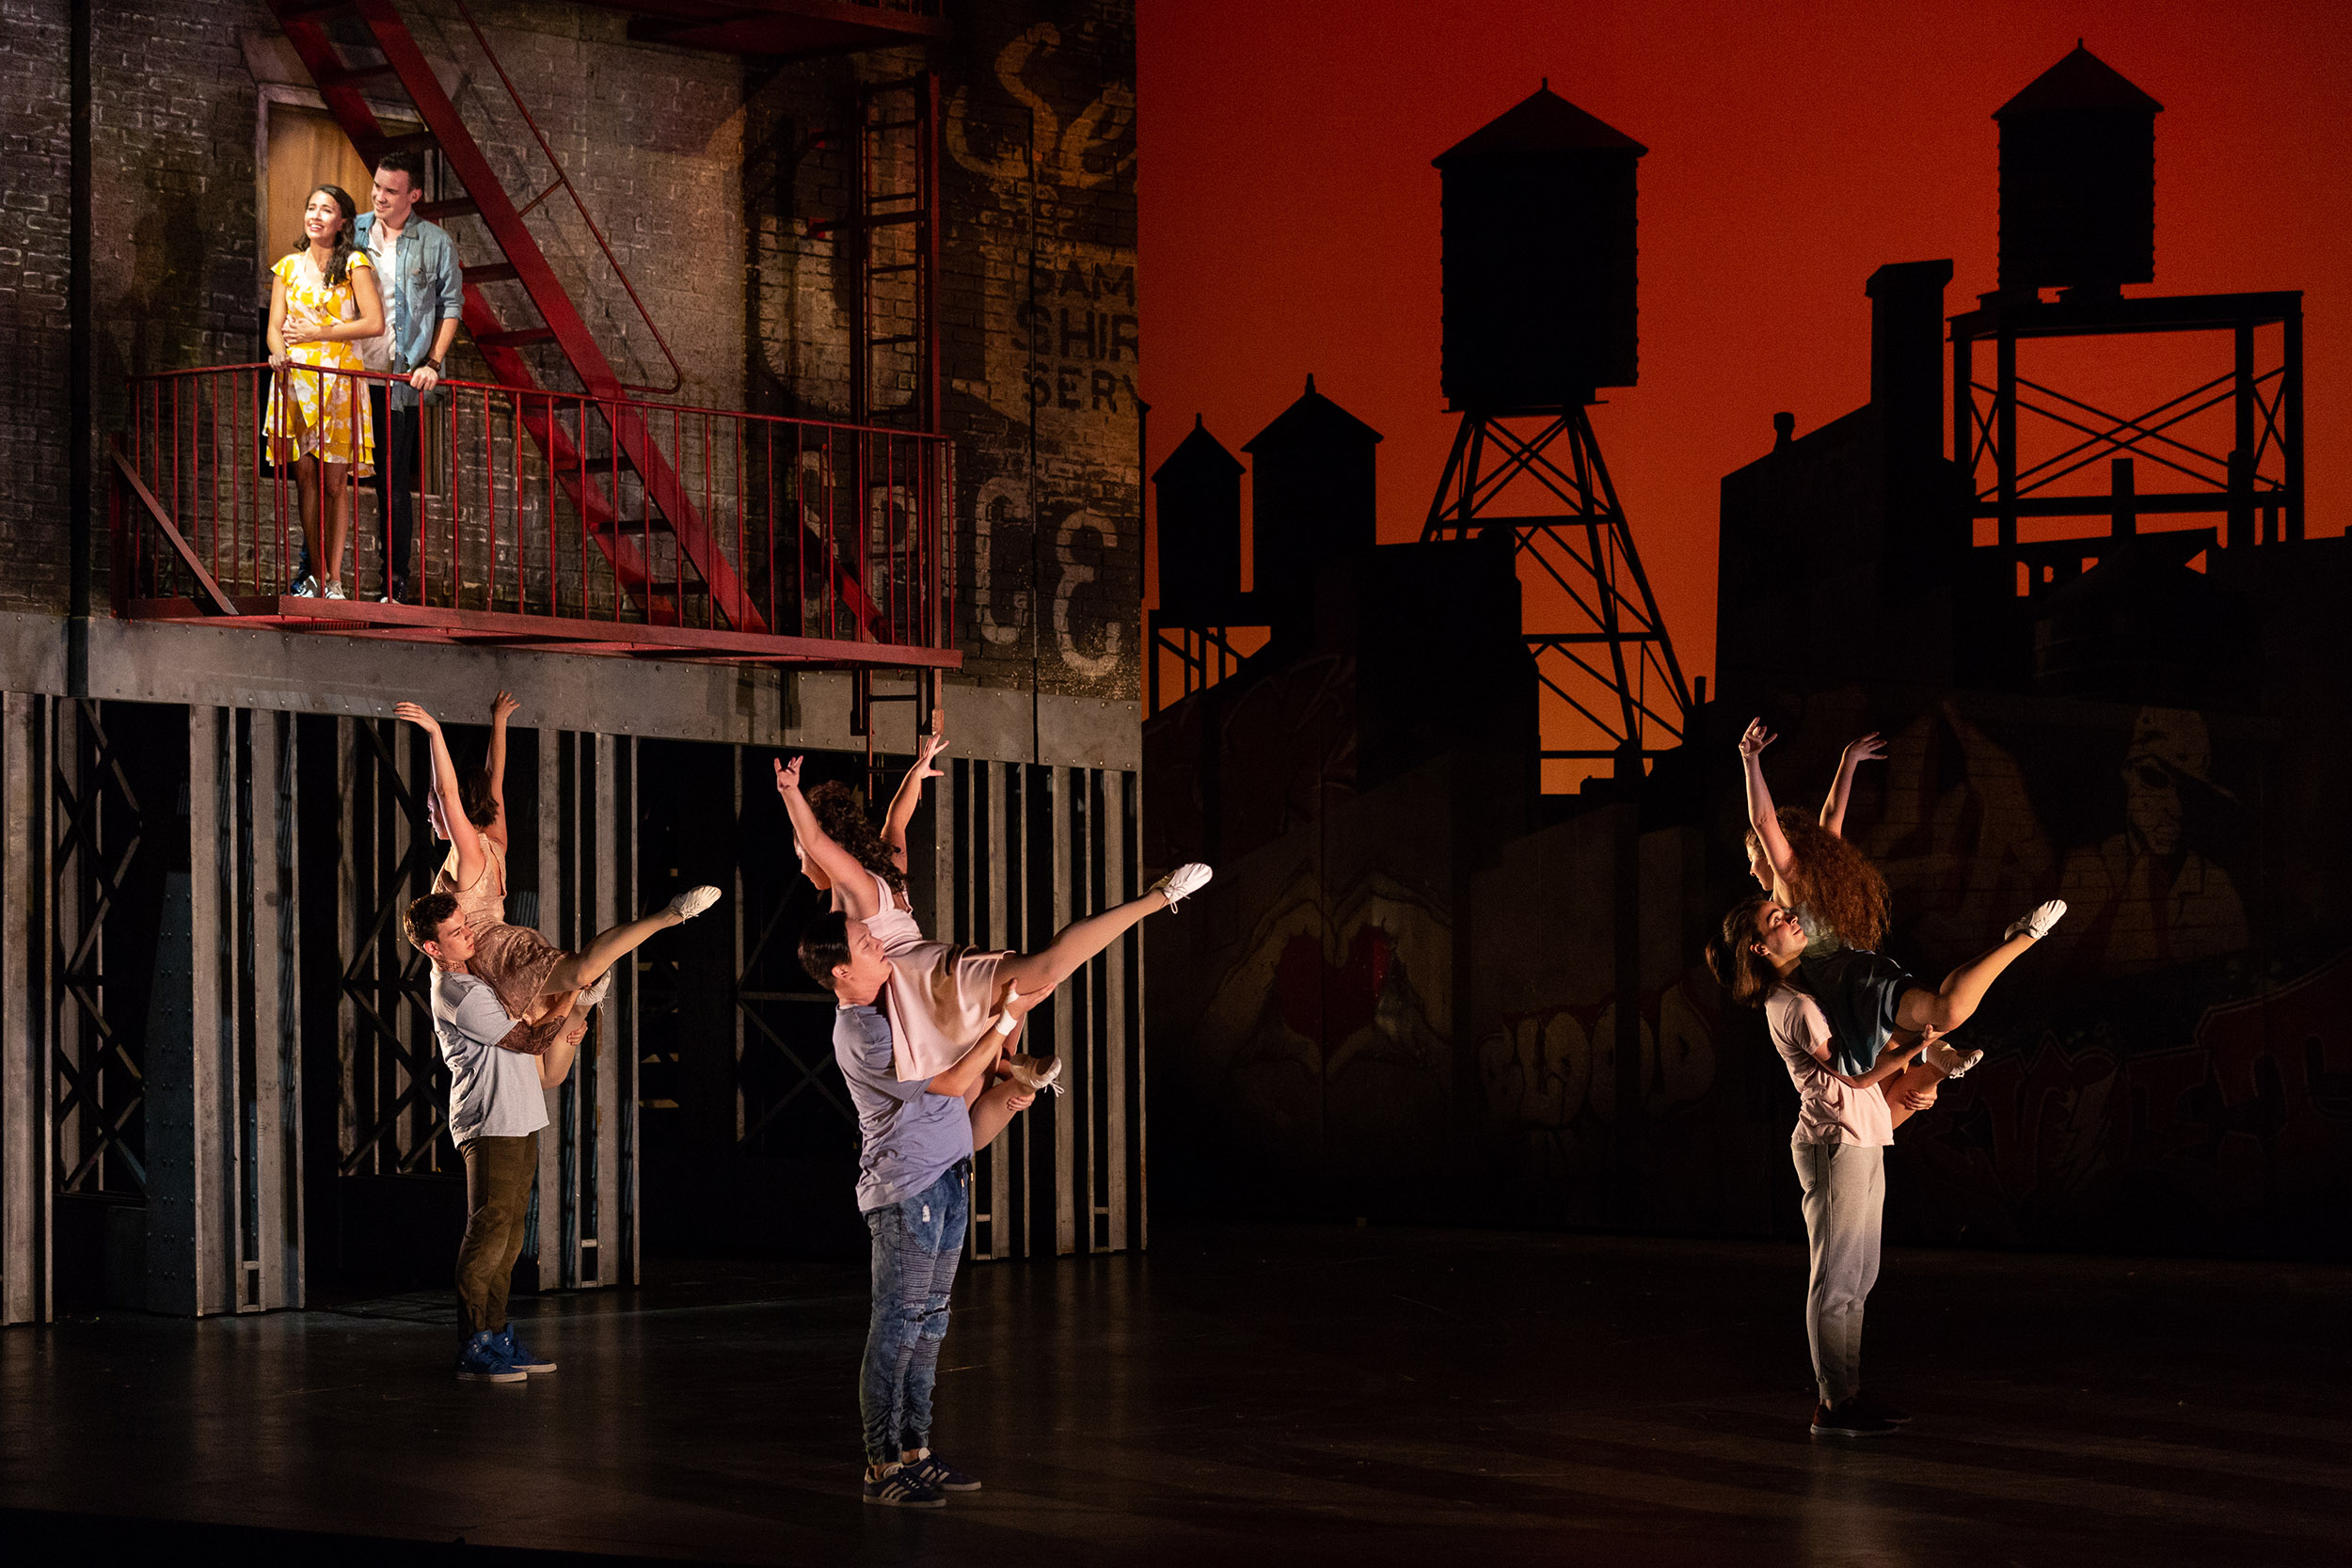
(915, 1141)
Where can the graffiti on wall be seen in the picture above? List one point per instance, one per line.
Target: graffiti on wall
(1329, 1019)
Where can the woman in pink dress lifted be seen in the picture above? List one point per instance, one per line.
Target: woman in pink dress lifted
(534, 979)
(942, 998)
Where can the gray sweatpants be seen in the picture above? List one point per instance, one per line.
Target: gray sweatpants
(1845, 1193)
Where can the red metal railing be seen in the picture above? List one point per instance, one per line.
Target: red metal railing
(834, 532)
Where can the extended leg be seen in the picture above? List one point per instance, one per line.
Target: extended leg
(1955, 1001)
(608, 947)
(1074, 945)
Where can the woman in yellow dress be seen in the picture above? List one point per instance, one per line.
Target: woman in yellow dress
(323, 303)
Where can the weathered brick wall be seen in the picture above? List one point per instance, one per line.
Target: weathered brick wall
(652, 139)
(1042, 341)
(1038, 319)
(34, 426)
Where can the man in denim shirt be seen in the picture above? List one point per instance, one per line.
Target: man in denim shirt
(915, 1186)
(424, 298)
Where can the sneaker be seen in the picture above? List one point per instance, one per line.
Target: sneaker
(1850, 1420)
(301, 572)
(1895, 1415)
(2037, 924)
(1036, 1081)
(484, 1360)
(1953, 1064)
(335, 590)
(939, 1476)
(395, 591)
(303, 588)
(1182, 883)
(520, 1356)
(899, 1487)
(588, 999)
(687, 905)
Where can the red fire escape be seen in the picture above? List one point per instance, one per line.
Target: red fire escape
(784, 540)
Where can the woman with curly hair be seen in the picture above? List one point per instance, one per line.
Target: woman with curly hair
(942, 999)
(1838, 899)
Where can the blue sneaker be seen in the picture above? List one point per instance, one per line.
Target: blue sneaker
(484, 1360)
(520, 1356)
(899, 1487)
(939, 1476)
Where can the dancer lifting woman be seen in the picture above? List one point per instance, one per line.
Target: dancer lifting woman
(1838, 901)
(944, 1000)
(532, 978)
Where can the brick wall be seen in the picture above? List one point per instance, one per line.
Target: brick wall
(1040, 334)
(34, 423)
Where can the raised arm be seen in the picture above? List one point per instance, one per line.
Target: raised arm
(1761, 817)
(502, 708)
(462, 836)
(910, 796)
(852, 882)
(1861, 749)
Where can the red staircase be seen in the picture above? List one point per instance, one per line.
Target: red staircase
(590, 482)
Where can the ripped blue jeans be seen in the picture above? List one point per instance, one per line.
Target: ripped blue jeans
(917, 1245)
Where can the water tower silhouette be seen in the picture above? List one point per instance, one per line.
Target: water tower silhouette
(2078, 214)
(1539, 279)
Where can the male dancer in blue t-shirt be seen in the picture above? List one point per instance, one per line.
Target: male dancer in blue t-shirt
(915, 1186)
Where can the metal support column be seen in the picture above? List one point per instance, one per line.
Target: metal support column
(27, 1092)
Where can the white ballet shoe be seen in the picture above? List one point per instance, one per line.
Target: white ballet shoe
(687, 905)
(1952, 1063)
(1182, 883)
(2037, 923)
(588, 999)
(1036, 1082)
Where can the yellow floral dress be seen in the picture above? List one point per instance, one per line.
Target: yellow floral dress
(320, 416)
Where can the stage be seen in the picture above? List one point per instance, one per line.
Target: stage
(1351, 1396)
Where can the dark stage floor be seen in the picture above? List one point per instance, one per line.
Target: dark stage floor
(1315, 1395)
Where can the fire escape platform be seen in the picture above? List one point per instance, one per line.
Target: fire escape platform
(781, 27)
(486, 628)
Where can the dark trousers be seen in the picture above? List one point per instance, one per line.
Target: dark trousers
(396, 480)
(499, 1173)
(917, 1245)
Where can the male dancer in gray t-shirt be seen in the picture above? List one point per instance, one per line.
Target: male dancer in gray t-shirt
(914, 1187)
(498, 1075)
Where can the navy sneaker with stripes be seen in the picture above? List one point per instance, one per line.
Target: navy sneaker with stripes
(939, 1476)
(900, 1487)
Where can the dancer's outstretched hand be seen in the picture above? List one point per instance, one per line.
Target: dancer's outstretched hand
(1866, 747)
(1755, 737)
(418, 716)
(502, 707)
(788, 774)
(931, 748)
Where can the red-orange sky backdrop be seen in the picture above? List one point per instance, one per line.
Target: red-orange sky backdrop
(1290, 212)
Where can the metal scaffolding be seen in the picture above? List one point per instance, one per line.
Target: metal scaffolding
(1600, 644)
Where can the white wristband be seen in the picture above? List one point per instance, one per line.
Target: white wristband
(1009, 1025)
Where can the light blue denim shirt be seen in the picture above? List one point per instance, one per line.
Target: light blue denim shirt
(429, 290)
